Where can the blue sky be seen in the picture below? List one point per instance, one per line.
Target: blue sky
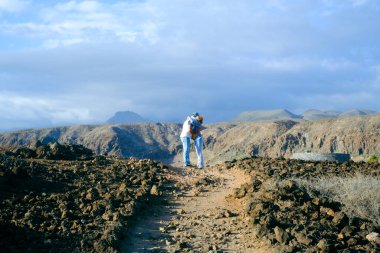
(78, 62)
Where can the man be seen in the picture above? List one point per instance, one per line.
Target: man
(191, 129)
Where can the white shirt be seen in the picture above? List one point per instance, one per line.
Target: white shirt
(186, 129)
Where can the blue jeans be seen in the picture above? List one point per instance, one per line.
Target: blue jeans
(198, 141)
(186, 150)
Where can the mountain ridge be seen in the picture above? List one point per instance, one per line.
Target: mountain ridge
(311, 114)
(126, 117)
(359, 136)
(259, 115)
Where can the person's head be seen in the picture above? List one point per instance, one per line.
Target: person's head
(199, 119)
(195, 114)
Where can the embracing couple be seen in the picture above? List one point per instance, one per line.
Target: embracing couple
(191, 129)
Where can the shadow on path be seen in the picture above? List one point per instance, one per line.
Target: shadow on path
(147, 232)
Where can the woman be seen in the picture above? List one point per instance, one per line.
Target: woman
(198, 140)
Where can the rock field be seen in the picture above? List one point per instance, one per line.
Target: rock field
(286, 215)
(254, 205)
(70, 205)
(54, 201)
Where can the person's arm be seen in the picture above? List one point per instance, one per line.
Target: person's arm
(190, 129)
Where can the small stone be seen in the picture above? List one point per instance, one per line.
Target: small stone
(340, 219)
(259, 231)
(89, 196)
(347, 231)
(75, 225)
(330, 212)
(352, 242)
(116, 216)
(122, 187)
(315, 216)
(154, 190)
(181, 211)
(64, 215)
(373, 237)
(27, 215)
(316, 201)
(107, 216)
(281, 235)
(302, 238)
(323, 245)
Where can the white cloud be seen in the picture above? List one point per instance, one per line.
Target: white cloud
(336, 64)
(12, 5)
(16, 107)
(84, 6)
(62, 43)
(337, 101)
(127, 36)
(89, 22)
(88, 6)
(286, 64)
(149, 30)
(359, 2)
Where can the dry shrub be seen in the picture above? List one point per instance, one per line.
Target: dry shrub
(373, 159)
(360, 194)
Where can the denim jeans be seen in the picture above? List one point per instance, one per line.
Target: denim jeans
(198, 141)
(186, 150)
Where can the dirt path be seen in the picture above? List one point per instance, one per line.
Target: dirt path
(197, 216)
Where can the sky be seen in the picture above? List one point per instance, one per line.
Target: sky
(78, 62)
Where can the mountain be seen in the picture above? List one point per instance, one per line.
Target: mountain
(357, 112)
(126, 117)
(358, 136)
(315, 114)
(260, 115)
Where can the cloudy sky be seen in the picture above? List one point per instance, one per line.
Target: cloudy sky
(78, 62)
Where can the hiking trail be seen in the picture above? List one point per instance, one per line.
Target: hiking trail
(196, 215)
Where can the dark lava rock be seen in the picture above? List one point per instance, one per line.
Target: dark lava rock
(68, 205)
(298, 220)
(53, 151)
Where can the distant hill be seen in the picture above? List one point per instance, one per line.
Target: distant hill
(260, 115)
(356, 112)
(126, 117)
(358, 136)
(315, 114)
(312, 114)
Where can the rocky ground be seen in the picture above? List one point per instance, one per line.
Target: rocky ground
(199, 215)
(66, 205)
(104, 204)
(253, 205)
(285, 214)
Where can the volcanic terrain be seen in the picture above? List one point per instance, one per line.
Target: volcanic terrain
(106, 196)
(54, 202)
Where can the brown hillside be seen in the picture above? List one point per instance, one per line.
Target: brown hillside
(358, 136)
